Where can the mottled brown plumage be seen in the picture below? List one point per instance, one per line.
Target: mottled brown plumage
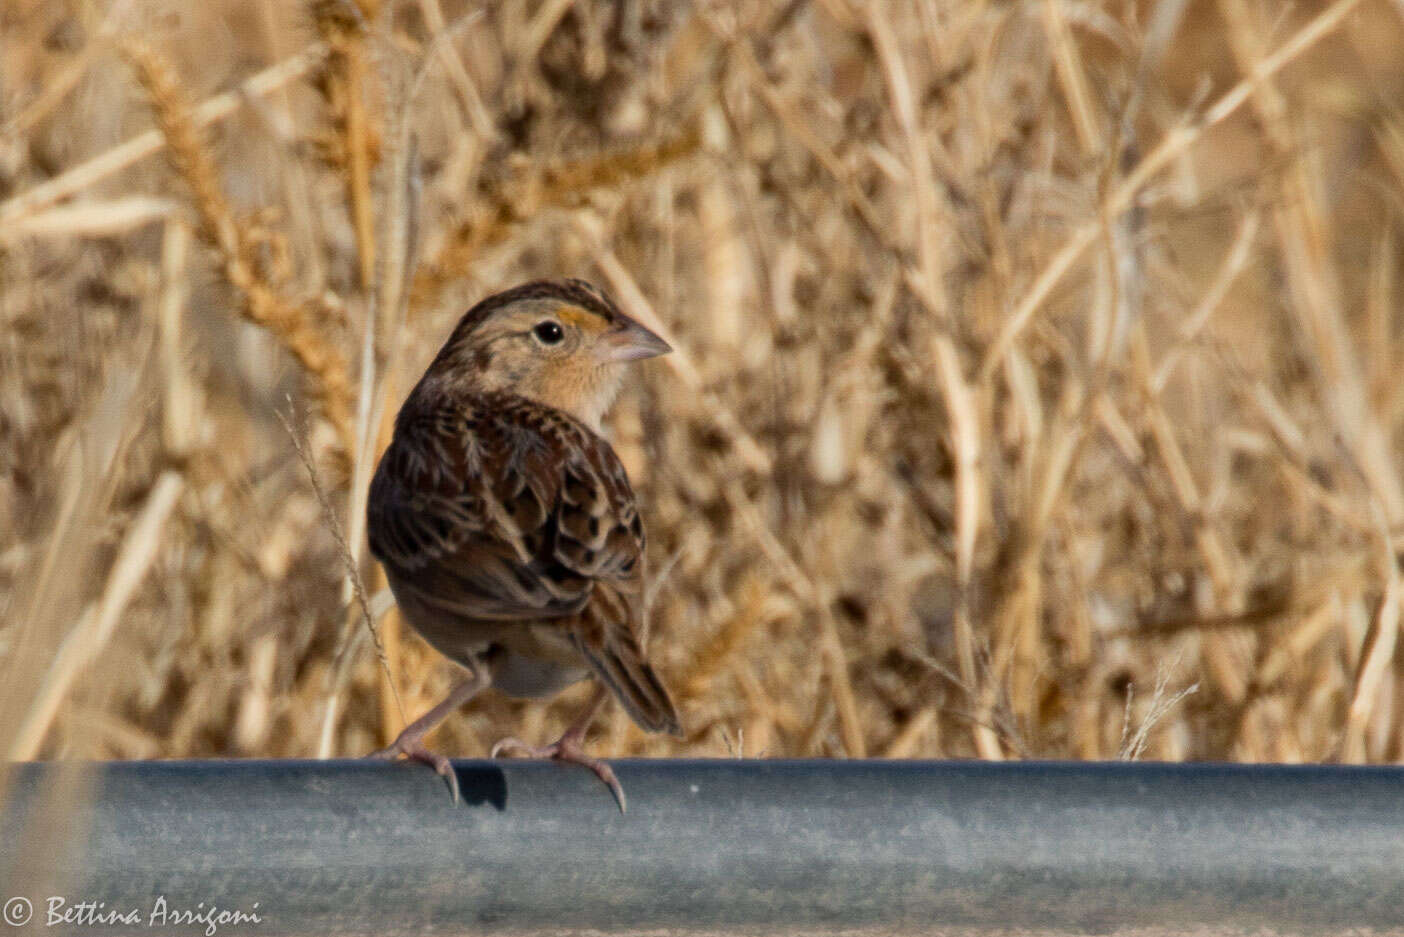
(506, 525)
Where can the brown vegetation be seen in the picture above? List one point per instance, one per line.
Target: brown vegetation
(1036, 391)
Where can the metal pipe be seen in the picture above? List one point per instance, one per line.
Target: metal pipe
(353, 847)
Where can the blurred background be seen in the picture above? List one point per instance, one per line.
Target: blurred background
(1036, 390)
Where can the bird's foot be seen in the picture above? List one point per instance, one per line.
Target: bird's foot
(410, 745)
(566, 749)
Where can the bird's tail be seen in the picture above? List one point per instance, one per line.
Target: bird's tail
(606, 639)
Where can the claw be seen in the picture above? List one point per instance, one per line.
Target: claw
(566, 750)
(413, 749)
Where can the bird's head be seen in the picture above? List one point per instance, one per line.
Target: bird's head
(560, 342)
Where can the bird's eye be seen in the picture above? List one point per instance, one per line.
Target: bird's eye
(548, 332)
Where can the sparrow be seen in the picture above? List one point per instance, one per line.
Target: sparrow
(507, 526)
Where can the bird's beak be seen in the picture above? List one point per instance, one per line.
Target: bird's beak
(630, 341)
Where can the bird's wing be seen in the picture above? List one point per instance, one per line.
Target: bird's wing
(503, 509)
(509, 510)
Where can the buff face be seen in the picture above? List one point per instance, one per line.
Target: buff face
(559, 353)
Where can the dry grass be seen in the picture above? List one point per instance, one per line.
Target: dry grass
(1036, 391)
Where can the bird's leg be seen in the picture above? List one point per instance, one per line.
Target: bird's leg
(570, 747)
(410, 742)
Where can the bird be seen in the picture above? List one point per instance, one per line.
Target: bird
(506, 525)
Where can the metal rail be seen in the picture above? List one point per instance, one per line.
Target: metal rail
(349, 847)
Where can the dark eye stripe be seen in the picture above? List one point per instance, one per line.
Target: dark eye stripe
(548, 332)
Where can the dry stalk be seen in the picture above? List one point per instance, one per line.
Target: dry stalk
(626, 290)
(965, 442)
(1380, 306)
(1170, 148)
(342, 24)
(180, 403)
(932, 258)
(1134, 741)
(375, 417)
(1013, 659)
(290, 322)
(754, 612)
(914, 736)
(94, 170)
(469, 98)
(1225, 665)
(1315, 291)
(957, 392)
(821, 603)
(1315, 284)
(348, 560)
(798, 128)
(1376, 657)
(1234, 261)
(91, 218)
(522, 197)
(82, 645)
(58, 90)
(1073, 78)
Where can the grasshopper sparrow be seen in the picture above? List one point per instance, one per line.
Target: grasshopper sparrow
(506, 524)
